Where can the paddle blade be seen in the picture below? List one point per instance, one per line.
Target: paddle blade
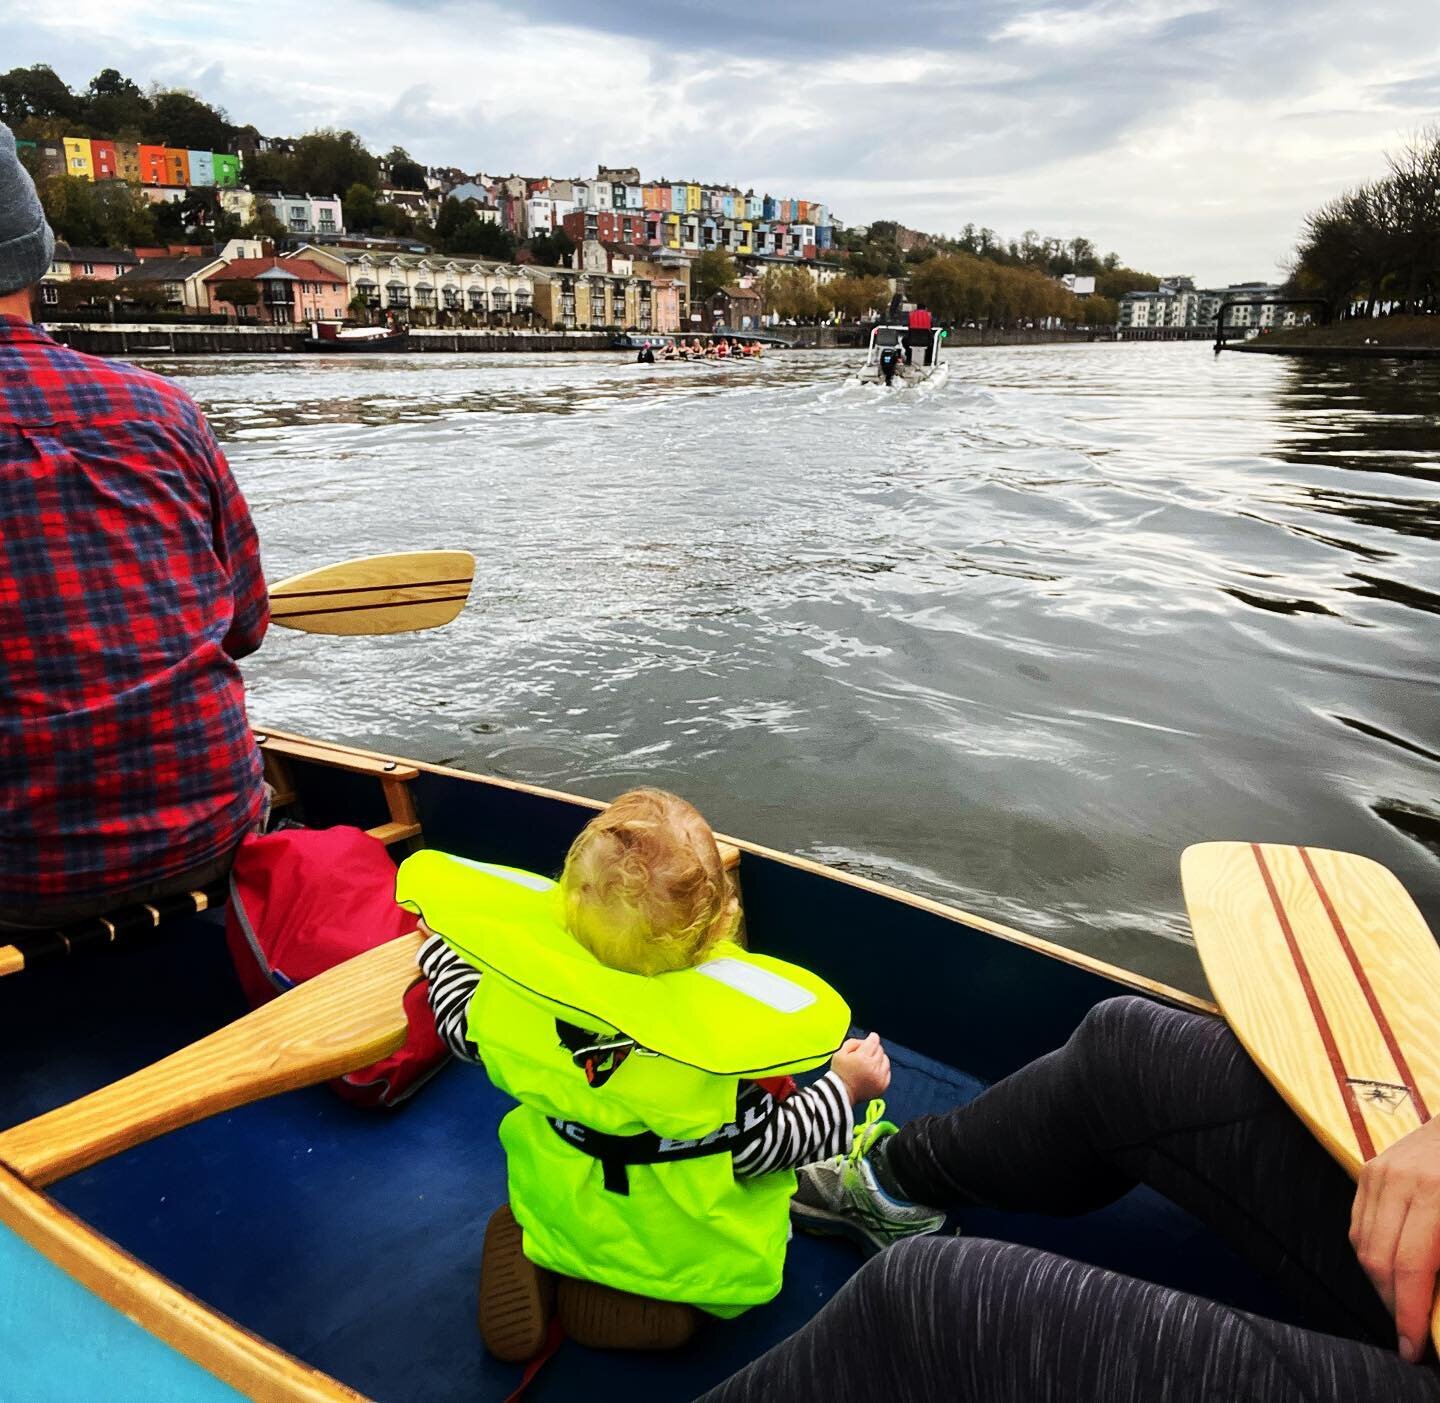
(1329, 976)
(377, 594)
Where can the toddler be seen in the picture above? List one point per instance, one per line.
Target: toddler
(645, 893)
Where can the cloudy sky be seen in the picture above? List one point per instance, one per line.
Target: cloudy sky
(1190, 136)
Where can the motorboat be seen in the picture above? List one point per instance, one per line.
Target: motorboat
(911, 358)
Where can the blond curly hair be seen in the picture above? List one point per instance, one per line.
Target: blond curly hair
(644, 889)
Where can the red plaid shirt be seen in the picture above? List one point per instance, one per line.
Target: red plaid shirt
(129, 584)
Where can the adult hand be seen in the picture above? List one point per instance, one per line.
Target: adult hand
(1395, 1231)
(863, 1066)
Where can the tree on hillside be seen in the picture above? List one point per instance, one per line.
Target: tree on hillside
(552, 250)
(116, 106)
(181, 119)
(458, 229)
(406, 173)
(36, 92)
(358, 202)
(105, 214)
(328, 161)
(709, 273)
(271, 170)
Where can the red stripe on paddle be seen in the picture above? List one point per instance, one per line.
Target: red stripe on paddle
(1322, 1024)
(1361, 978)
(370, 589)
(278, 611)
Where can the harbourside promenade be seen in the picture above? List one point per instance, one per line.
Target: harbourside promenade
(174, 338)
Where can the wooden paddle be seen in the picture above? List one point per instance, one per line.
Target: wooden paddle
(1330, 978)
(346, 1018)
(376, 594)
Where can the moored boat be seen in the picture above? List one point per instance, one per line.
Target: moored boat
(347, 340)
(301, 1248)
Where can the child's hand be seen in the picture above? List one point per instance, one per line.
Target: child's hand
(863, 1066)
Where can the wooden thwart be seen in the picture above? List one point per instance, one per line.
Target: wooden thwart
(346, 1018)
(1330, 978)
(394, 780)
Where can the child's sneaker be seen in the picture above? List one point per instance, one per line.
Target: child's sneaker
(842, 1195)
(517, 1298)
(600, 1317)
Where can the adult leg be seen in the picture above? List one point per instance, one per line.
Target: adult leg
(966, 1320)
(1144, 1093)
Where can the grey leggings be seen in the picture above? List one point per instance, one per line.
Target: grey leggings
(1141, 1094)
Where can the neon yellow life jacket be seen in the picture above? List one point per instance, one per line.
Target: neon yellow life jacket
(619, 1156)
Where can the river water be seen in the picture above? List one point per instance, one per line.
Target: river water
(1012, 643)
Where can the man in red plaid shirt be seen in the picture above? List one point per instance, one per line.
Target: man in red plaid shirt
(129, 586)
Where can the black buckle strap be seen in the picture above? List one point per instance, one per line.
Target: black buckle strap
(615, 1152)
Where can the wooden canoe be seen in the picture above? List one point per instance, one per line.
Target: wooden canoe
(299, 1248)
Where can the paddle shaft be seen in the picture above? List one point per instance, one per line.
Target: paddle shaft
(348, 1017)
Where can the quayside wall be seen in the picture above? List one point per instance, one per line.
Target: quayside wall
(177, 339)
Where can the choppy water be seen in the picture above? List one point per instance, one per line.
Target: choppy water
(1013, 643)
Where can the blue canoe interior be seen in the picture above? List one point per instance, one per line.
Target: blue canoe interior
(351, 1239)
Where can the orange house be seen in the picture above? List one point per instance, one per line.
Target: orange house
(153, 170)
(103, 160)
(177, 162)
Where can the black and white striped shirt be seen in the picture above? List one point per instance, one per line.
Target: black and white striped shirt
(815, 1122)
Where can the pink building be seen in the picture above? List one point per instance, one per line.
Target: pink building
(99, 264)
(279, 291)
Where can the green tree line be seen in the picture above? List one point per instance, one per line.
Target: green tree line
(963, 287)
(881, 250)
(1377, 247)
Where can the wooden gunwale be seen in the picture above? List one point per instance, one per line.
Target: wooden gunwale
(1140, 983)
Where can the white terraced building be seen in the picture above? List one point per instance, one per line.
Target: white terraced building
(433, 289)
(1178, 302)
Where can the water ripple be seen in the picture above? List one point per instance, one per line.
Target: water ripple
(1014, 643)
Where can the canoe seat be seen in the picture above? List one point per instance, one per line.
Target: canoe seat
(394, 777)
(29, 948)
(24, 950)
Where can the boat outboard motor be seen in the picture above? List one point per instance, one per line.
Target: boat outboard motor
(889, 363)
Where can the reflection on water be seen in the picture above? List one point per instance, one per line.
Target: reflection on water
(1013, 643)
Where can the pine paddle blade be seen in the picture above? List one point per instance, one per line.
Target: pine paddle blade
(377, 594)
(1327, 973)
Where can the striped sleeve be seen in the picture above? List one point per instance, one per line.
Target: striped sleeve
(452, 982)
(815, 1123)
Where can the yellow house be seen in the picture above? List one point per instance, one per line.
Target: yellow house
(692, 198)
(672, 230)
(77, 158)
(746, 232)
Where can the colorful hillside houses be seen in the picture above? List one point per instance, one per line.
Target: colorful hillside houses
(163, 167)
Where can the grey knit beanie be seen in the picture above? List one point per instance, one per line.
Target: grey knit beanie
(26, 243)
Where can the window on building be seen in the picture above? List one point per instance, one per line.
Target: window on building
(49, 294)
(89, 270)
